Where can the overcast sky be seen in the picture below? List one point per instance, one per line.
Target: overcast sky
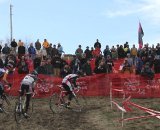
(74, 22)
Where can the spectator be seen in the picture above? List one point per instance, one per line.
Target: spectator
(121, 53)
(14, 46)
(6, 50)
(57, 65)
(65, 71)
(79, 52)
(20, 43)
(37, 61)
(75, 65)
(86, 68)
(54, 51)
(44, 53)
(38, 46)
(88, 53)
(97, 44)
(49, 67)
(106, 52)
(21, 50)
(147, 71)
(110, 64)
(126, 67)
(133, 53)
(45, 43)
(23, 66)
(60, 49)
(49, 50)
(32, 51)
(101, 68)
(114, 53)
(157, 64)
(138, 65)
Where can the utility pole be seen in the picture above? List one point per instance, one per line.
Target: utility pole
(11, 27)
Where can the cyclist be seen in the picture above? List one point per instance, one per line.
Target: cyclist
(27, 87)
(3, 80)
(69, 83)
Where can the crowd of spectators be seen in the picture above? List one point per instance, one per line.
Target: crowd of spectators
(49, 59)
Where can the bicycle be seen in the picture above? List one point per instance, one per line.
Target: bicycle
(6, 102)
(57, 101)
(20, 108)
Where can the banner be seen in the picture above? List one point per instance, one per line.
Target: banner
(95, 85)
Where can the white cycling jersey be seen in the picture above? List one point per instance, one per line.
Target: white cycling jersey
(29, 79)
(66, 80)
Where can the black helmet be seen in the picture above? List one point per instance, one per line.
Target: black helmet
(34, 72)
(79, 73)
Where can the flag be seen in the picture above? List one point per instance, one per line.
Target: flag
(140, 35)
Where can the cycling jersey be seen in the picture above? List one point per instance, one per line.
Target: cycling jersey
(29, 81)
(69, 81)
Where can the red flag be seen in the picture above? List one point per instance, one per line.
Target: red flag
(140, 35)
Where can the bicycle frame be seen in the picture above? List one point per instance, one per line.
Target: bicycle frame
(20, 108)
(57, 101)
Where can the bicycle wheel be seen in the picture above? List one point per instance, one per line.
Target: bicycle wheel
(55, 104)
(6, 107)
(18, 113)
(20, 110)
(76, 105)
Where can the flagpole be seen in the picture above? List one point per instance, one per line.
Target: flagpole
(11, 26)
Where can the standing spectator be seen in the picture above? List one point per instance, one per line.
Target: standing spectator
(44, 53)
(88, 53)
(21, 51)
(110, 64)
(97, 44)
(107, 52)
(32, 51)
(134, 53)
(121, 53)
(86, 68)
(138, 65)
(14, 46)
(60, 49)
(54, 51)
(114, 53)
(79, 52)
(38, 46)
(75, 65)
(49, 67)
(57, 65)
(46, 45)
(49, 52)
(6, 50)
(20, 43)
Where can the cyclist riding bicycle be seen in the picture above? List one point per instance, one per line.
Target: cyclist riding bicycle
(27, 87)
(69, 83)
(3, 80)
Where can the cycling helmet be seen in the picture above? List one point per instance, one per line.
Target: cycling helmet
(34, 72)
(79, 73)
